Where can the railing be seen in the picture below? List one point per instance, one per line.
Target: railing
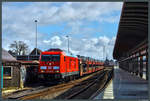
(135, 61)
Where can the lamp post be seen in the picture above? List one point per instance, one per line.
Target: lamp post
(2, 77)
(36, 37)
(104, 52)
(68, 42)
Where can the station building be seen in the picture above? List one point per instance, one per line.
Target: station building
(13, 75)
(20, 71)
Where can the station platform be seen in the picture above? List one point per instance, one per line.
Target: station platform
(125, 86)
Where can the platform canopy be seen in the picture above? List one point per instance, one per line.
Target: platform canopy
(132, 29)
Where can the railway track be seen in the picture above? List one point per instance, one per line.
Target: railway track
(42, 90)
(109, 78)
(71, 90)
(89, 87)
(89, 84)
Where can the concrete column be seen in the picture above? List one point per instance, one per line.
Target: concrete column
(141, 66)
(133, 65)
(120, 66)
(132, 68)
(124, 65)
(147, 67)
(136, 66)
(129, 62)
(128, 65)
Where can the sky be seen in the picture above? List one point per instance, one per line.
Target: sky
(91, 26)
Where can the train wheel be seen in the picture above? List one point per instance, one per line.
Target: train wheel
(73, 77)
(67, 79)
(70, 78)
(61, 80)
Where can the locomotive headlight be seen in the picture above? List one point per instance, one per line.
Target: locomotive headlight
(42, 71)
(56, 67)
(43, 67)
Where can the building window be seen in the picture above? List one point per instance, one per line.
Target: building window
(7, 72)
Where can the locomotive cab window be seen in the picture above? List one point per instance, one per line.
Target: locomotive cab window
(7, 72)
(50, 58)
(56, 57)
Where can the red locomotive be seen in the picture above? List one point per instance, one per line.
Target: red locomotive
(56, 65)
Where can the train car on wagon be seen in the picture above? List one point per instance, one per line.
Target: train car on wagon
(88, 65)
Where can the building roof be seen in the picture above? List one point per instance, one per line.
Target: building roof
(133, 27)
(59, 50)
(34, 51)
(6, 56)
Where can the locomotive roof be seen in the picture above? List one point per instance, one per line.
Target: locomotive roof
(70, 54)
(59, 50)
(54, 49)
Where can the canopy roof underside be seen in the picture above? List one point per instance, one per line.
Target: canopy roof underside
(133, 27)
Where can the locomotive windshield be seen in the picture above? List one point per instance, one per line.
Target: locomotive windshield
(50, 58)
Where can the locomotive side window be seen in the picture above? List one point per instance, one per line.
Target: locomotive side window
(70, 64)
(64, 59)
(50, 58)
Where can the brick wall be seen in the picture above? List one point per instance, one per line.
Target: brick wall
(14, 81)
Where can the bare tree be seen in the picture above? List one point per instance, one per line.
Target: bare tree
(19, 48)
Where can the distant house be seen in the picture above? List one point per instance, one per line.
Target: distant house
(31, 63)
(34, 51)
(13, 73)
(32, 56)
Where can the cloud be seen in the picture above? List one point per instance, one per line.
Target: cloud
(46, 13)
(54, 41)
(46, 41)
(18, 24)
(87, 47)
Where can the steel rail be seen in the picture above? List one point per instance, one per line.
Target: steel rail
(89, 85)
(41, 92)
(110, 77)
